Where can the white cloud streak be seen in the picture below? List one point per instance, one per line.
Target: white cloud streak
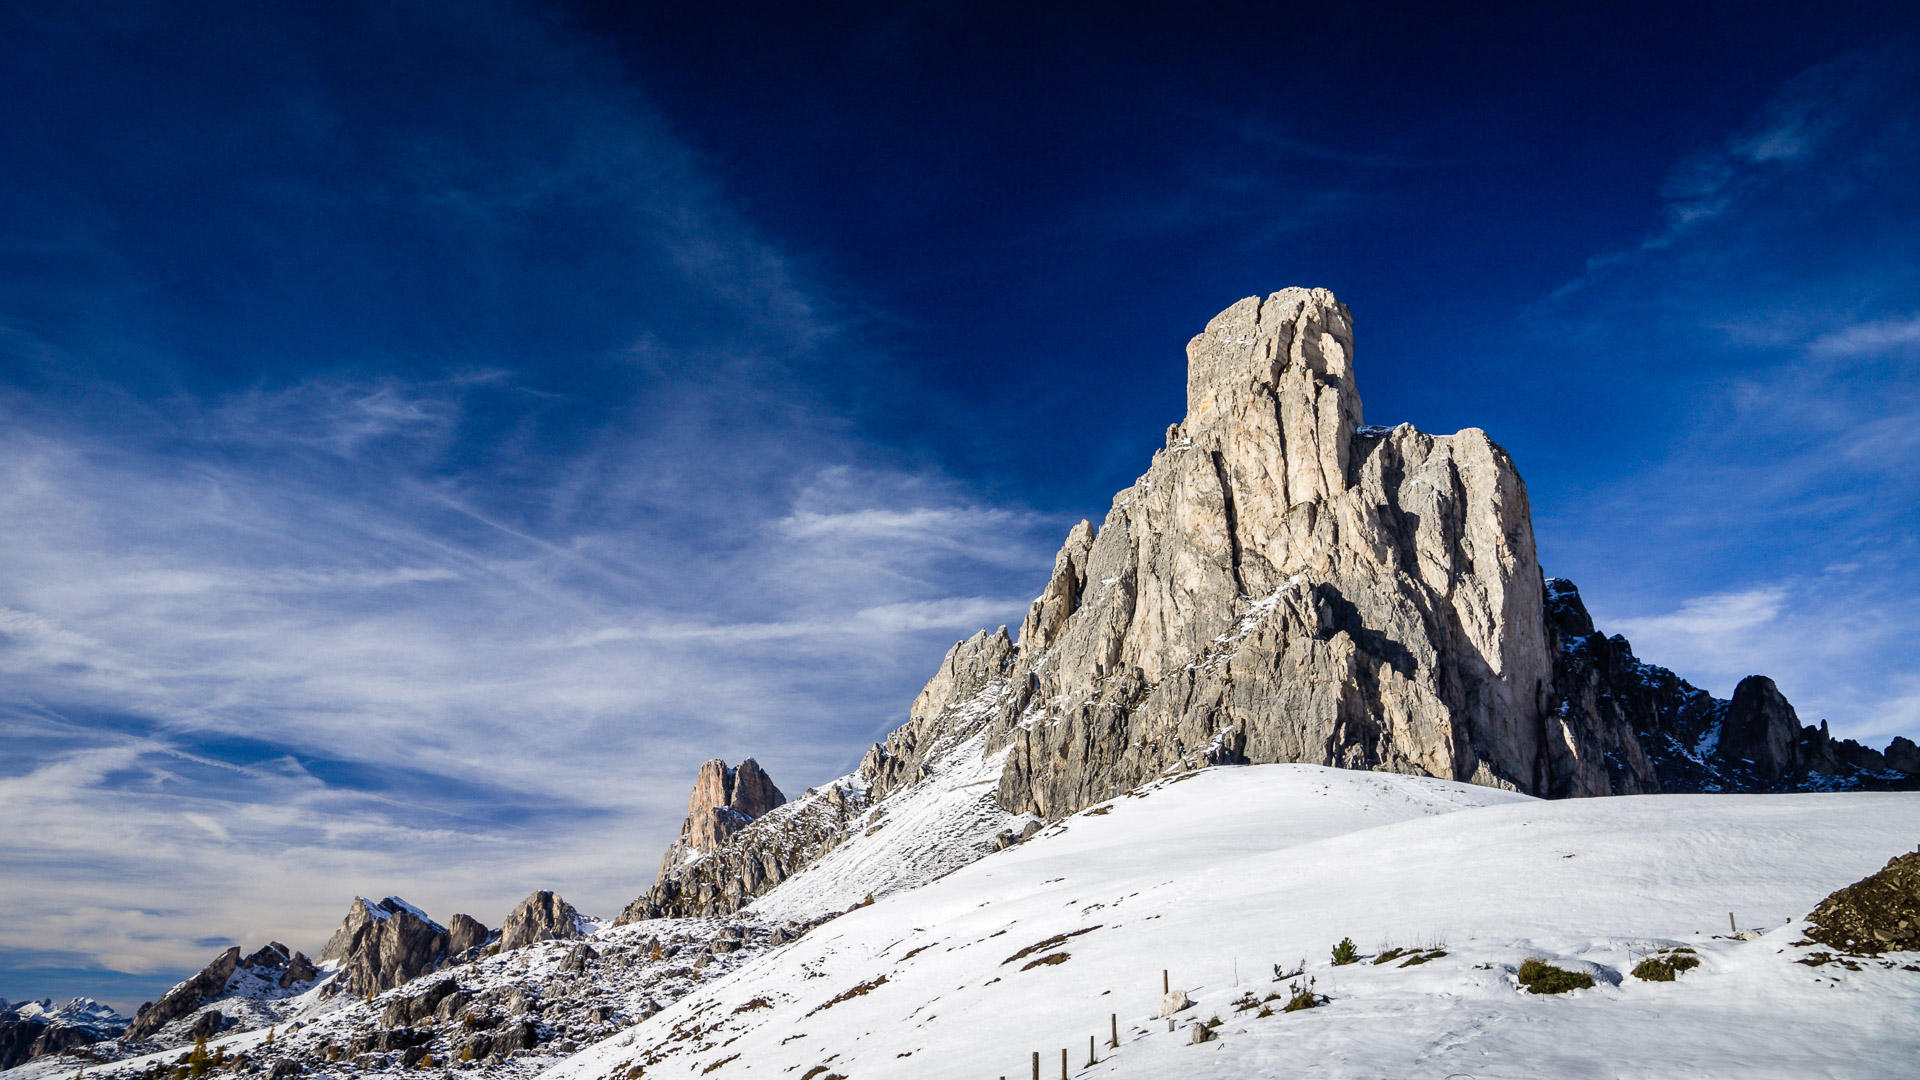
(267, 648)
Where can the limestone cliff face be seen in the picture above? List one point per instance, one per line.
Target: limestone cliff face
(1285, 584)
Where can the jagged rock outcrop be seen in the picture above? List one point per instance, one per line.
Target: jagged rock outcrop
(209, 984)
(543, 916)
(381, 945)
(772, 849)
(465, 932)
(1288, 584)
(1640, 728)
(723, 802)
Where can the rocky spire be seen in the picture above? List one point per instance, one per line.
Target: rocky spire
(723, 802)
(1285, 584)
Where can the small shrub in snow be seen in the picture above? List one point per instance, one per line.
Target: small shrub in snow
(1303, 997)
(1540, 977)
(1345, 953)
(1421, 958)
(1664, 968)
(1048, 960)
(1389, 954)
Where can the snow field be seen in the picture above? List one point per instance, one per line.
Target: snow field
(1222, 874)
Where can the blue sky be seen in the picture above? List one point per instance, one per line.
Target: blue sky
(429, 431)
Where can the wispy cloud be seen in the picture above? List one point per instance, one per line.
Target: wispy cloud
(449, 629)
(1873, 338)
(1767, 334)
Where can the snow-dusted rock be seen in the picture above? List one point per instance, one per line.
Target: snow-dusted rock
(1173, 1001)
(543, 916)
(209, 984)
(36, 1029)
(382, 945)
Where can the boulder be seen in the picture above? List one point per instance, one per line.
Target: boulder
(1173, 1002)
(206, 1025)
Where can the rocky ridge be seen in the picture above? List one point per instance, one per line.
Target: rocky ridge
(543, 916)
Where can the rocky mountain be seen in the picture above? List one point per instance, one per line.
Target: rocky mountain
(1644, 729)
(1286, 583)
(272, 971)
(32, 1029)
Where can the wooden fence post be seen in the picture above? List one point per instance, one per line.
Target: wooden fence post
(1165, 987)
(1115, 1018)
(1092, 1058)
(1036, 1065)
(1063, 1063)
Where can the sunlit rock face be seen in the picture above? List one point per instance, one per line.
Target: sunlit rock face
(723, 801)
(1287, 584)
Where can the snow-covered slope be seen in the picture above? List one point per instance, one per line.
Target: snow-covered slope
(1226, 877)
(924, 831)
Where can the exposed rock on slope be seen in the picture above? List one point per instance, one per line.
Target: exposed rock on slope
(381, 945)
(185, 997)
(747, 864)
(1879, 913)
(723, 802)
(465, 932)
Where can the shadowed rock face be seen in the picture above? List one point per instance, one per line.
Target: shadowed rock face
(381, 945)
(1635, 728)
(185, 997)
(33, 1029)
(540, 917)
(723, 802)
